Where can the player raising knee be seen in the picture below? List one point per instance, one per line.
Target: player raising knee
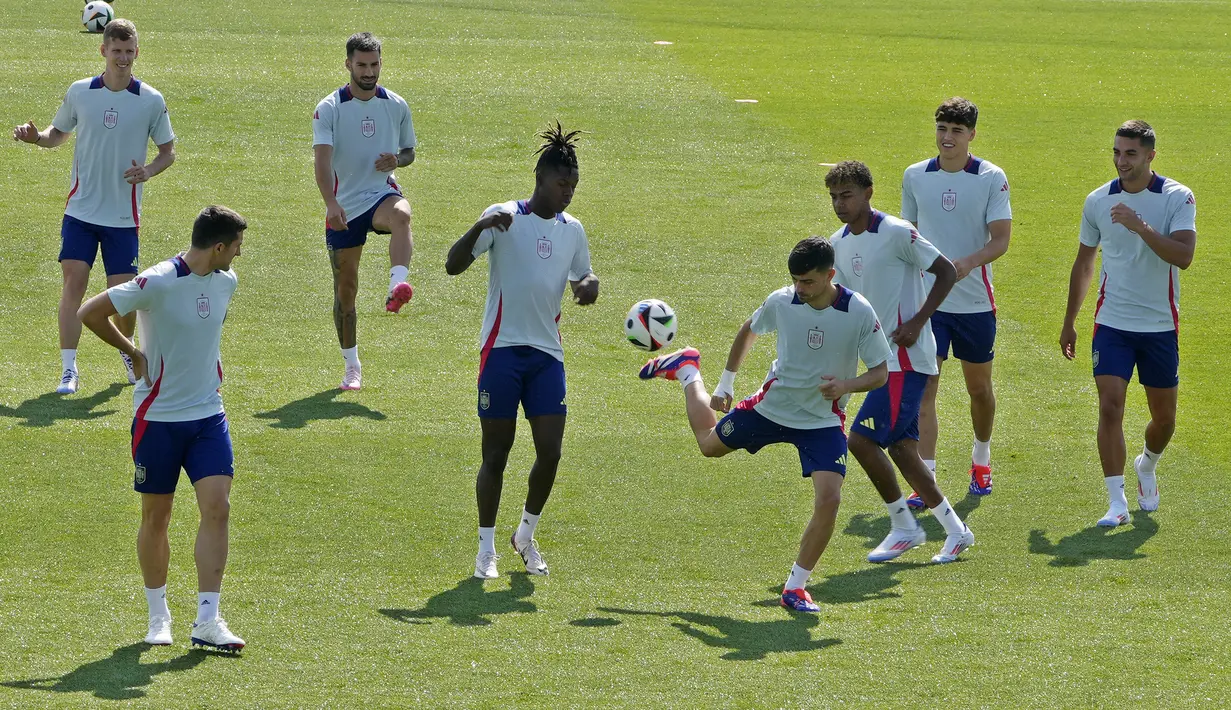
(361, 133)
(883, 258)
(823, 332)
(535, 249)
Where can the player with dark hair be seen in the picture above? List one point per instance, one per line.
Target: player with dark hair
(181, 305)
(535, 249)
(361, 133)
(1146, 226)
(823, 331)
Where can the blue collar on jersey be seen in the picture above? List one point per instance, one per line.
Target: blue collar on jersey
(134, 85)
(181, 266)
(345, 95)
(1156, 185)
(972, 165)
(841, 303)
(523, 207)
(874, 224)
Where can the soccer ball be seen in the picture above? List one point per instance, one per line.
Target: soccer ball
(96, 16)
(651, 324)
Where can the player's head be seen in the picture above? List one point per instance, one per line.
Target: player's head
(811, 267)
(955, 127)
(1133, 149)
(363, 60)
(850, 189)
(119, 46)
(219, 231)
(556, 174)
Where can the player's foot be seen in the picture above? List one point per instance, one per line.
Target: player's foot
(980, 479)
(955, 544)
(159, 633)
(799, 600)
(914, 502)
(897, 542)
(1112, 518)
(128, 368)
(485, 565)
(68, 382)
(1147, 487)
(398, 297)
(353, 378)
(666, 366)
(531, 556)
(215, 634)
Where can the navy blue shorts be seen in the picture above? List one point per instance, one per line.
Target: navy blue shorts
(819, 449)
(357, 228)
(82, 241)
(890, 413)
(160, 449)
(973, 335)
(1156, 356)
(520, 374)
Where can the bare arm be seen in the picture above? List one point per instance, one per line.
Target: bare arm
(406, 156)
(1176, 249)
(744, 340)
(1079, 284)
(461, 254)
(95, 314)
(585, 291)
(49, 138)
(162, 161)
(872, 378)
(322, 168)
(907, 333)
(997, 244)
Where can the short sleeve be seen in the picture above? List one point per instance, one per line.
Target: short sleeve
(160, 127)
(998, 198)
(488, 236)
(322, 124)
(580, 268)
(1183, 216)
(66, 117)
(406, 137)
(915, 250)
(765, 318)
(135, 295)
(910, 206)
(873, 347)
(1089, 235)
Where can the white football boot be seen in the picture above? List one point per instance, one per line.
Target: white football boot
(69, 382)
(159, 633)
(531, 556)
(1113, 517)
(215, 634)
(353, 378)
(1147, 487)
(485, 565)
(897, 542)
(128, 368)
(955, 544)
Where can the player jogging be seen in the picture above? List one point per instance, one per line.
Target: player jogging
(883, 258)
(360, 134)
(181, 305)
(1146, 226)
(115, 116)
(823, 332)
(534, 250)
(960, 203)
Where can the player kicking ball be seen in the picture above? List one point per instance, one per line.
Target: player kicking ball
(883, 258)
(361, 133)
(535, 250)
(824, 330)
(181, 305)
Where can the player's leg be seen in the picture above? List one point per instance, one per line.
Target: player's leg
(905, 453)
(209, 462)
(684, 367)
(393, 216)
(548, 434)
(1114, 358)
(1158, 369)
(929, 427)
(975, 348)
(822, 456)
(497, 441)
(76, 275)
(344, 261)
(157, 452)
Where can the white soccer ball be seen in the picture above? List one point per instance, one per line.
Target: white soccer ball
(651, 324)
(96, 15)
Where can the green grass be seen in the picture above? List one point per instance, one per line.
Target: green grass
(353, 518)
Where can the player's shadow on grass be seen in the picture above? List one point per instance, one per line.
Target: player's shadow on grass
(875, 528)
(120, 676)
(46, 409)
(297, 414)
(862, 585)
(468, 605)
(1095, 543)
(746, 640)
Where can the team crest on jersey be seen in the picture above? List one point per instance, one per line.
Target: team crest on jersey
(203, 307)
(857, 265)
(727, 427)
(485, 400)
(544, 248)
(816, 338)
(367, 127)
(111, 118)
(948, 200)
(139, 476)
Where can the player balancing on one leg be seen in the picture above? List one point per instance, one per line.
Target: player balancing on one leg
(115, 116)
(535, 249)
(360, 134)
(883, 258)
(961, 204)
(1146, 225)
(823, 332)
(181, 305)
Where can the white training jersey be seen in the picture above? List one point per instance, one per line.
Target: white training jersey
(885, 264)
(529, 267)
(359, 132)
(952, 211)
(114, 128)
(179, 328)
(812, 344)
(1138, 291)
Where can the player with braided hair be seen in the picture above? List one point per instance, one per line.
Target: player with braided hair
(534, 250)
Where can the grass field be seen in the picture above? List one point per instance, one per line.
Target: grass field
(353, 514)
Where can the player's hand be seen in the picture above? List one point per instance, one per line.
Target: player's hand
(963, 268)
(721, 402)
(500, 220)
(27, 133)
(141, 367)
(387, 162)
(833, 388)
(136, 174)
(585, 291)
(335, 216)
(906, 334)
(1124, 215)
(1068, 341)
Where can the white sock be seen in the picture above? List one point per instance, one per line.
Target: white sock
(1115, 492)
(931, 464)
(487, 540)
(981, 454)
(351, 356)
(68, 358)
(397, 275)
(207, 606)
(156, 599)
(900, 516)
(525, 530)
(1149, 461)
(798, 578)
(948, 518)
(687, 375)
